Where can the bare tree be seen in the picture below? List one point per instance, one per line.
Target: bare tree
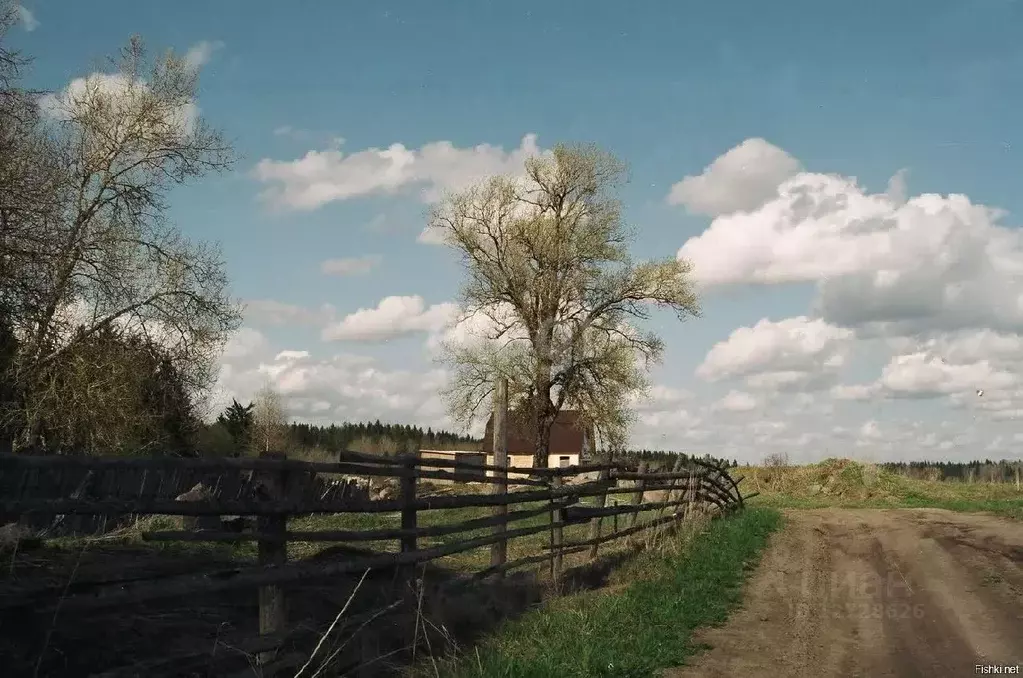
(555, 296)
(269, 430)
(86, 246)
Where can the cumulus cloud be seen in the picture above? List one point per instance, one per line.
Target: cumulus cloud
(921, 375)
(340, 387)
(743, 178)
(321, 177)
(789, 353)
(393, 317)
(881, 262)
(347, 266)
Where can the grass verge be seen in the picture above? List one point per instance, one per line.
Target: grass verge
(637, 630)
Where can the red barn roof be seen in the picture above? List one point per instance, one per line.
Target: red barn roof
(567, 435)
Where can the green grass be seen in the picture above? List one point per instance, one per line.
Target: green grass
(635, 631)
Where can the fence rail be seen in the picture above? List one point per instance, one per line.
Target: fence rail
(273, 489)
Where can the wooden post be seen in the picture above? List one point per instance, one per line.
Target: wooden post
(557, 534)
(273, 616)
(637, 496)
(601, 502)
(676, 494)
(499, 550)
(407, 494)
(615, 504)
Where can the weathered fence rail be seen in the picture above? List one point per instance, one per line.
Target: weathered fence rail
(36, 490)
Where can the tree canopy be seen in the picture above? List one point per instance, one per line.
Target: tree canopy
(87, 258)
(552, 299)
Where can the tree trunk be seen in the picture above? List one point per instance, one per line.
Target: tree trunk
(543, 420)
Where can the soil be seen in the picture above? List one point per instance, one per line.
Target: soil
(902, 592)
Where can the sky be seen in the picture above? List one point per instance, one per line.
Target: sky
(844, 179)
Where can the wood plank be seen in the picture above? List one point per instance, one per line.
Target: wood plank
(347, 535)
(246, 577)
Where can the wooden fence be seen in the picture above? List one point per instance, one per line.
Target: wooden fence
(278, 492)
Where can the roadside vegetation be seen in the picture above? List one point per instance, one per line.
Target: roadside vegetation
(641, 621)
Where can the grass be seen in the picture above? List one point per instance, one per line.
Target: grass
(842, 483)
(638, 628)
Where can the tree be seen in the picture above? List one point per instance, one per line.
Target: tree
(269, 423)
(237, 420)
(555, 296)
(114, 393)
(86, 247)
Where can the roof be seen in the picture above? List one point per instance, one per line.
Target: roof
(567, 434)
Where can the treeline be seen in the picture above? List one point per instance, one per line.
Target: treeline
(238, 430)
(664, 458)
(986, 471)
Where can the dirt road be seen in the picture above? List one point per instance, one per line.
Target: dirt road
(875, 593)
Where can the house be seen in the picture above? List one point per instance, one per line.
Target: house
(571, 442)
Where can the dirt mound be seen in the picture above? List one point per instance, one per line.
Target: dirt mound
(834, 478)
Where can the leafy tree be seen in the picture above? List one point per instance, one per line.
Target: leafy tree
(86, 247)
(269, 432)
(548, 272)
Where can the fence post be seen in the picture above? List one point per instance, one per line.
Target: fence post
(637, 496)
(499, 550)
(676, 493)
(601, 502)
(557, 534)
(273, 617)
(407, 494)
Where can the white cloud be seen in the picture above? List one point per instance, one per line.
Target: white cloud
(743, 178)
(200, 53)
(244, 343)
(114, 92)
(854, 391)
(431, 236)
(321, 177)
(922, 375)
(790, 353)
(341, 387)
(351, 265)
(392, 317)
(277, 313)
(737, 401)
(881, 262)
(27, 18)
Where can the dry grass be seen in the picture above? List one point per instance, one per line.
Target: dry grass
(854, 484)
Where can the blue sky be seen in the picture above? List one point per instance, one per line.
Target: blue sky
(864, 91)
